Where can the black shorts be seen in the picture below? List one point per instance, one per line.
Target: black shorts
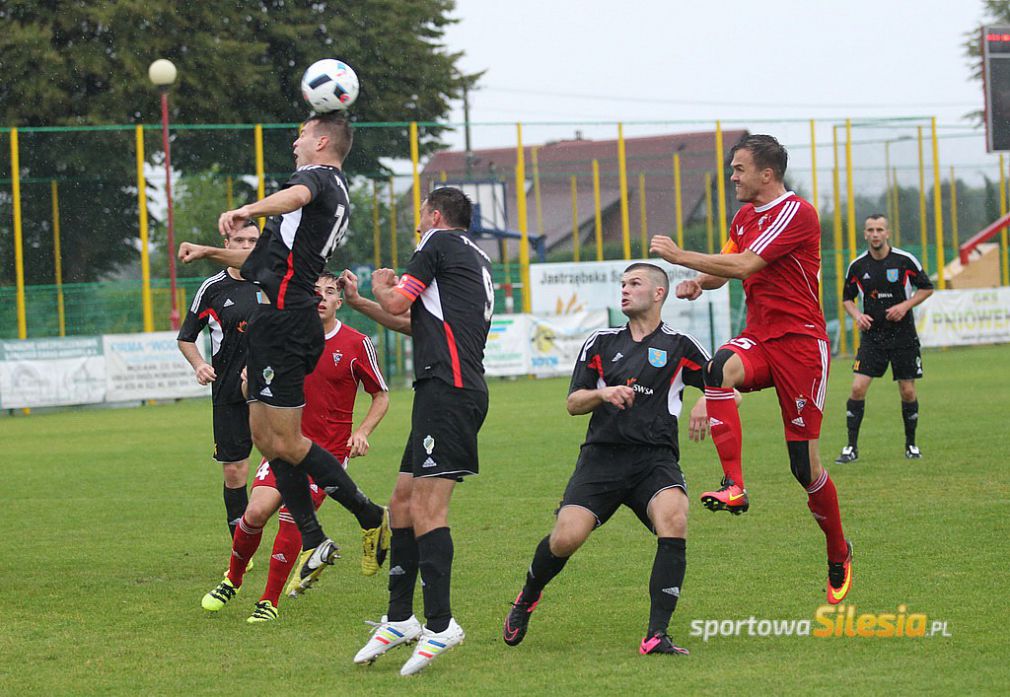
(444, 424)
(284, 346)
(607, 476)
(232, 438)
(872, 361)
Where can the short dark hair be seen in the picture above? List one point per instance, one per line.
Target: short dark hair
(251, 222)
(453, 204)
(329, 276)
(337, 126)
(876, 216)
(657, 274)
(767, 152)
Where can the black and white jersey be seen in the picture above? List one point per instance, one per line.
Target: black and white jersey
(882, 284)
(448, 280)
(656, 368)
(224, 305)
(294, 247)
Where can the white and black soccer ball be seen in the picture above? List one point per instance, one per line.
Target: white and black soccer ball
(329, 85)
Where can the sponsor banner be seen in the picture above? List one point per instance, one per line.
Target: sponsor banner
(567, 288)
(147, 366)
(51, 372)
(962, 317)
(508, 346)
(555, 340)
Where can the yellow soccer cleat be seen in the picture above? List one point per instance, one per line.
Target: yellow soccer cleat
(375, 546)
(219, 597)
(311, 564)
(264, 612)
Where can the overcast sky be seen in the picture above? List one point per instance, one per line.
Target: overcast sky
(596, 60)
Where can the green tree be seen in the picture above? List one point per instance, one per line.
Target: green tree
(82, 63)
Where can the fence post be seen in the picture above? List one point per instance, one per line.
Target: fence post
(524, 241)
(622, 177)
(414, 157)
(937, 206)
(720, 178)
(145, 254)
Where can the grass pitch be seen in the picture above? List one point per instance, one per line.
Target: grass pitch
(113, 530)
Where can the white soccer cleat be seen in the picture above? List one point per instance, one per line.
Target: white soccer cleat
(431, 645)
(388, 635)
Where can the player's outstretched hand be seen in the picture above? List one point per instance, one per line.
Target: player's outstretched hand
(621, 396)
(205, 374)
(189, 252)
(698, 425)
(384, 278)
(665, 247)
(232, 221)
(358, 443)
(864, 322)
(689, 289)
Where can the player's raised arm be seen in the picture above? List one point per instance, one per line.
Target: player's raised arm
(348, 282)
(283, 201)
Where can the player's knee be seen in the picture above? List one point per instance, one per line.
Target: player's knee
(715, 369)
(257, 515)
(799, 461)
(907, 391)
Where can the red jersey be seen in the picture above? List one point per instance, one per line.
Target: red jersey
(348, 359)
(782, 298)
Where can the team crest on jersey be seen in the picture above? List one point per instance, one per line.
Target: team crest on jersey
(429, 444)
(657, 357)
(268, 375)
(892, 275)
(761, 221)
(337, 355)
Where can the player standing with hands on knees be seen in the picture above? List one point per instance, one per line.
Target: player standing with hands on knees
(310, 215)
(774, 248)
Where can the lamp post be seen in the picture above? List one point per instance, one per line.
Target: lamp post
(162, 73)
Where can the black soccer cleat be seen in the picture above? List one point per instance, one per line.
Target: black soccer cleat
(518, 620)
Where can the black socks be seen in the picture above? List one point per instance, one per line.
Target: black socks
(435, 555)
(543, 568)
(910, 415)
(235, 502)
(403, 560)
(328, 473)
(293, 484)
(853, 418)
(666, 580)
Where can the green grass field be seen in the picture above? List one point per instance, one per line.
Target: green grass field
(113, 530)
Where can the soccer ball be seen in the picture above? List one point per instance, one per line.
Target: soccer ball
(329, 85)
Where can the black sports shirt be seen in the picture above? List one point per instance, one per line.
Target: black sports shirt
(448, 280)
(225, 306)
(656, 368)
(294, 247)
(883, 284)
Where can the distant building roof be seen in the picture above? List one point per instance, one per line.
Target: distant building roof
(650, 156)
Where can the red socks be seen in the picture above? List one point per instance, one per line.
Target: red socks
(822, 500)
(724, 421)
(243, 547)
(287, 546)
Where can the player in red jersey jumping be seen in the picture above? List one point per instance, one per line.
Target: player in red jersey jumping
(348, 359)
(774, 248)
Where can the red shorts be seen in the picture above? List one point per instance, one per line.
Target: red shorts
(265, 477)
(796, 365)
